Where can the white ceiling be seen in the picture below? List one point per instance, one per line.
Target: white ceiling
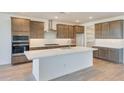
(83, 17)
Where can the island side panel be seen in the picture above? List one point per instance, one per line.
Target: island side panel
(56, 66)
(35, 68)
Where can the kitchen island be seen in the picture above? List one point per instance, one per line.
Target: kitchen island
(52, 63)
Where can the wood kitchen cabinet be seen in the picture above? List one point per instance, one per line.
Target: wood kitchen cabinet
(68, 31)
(79, 29)
(110, 54)
(37, 29)
(103, 53)
(109, 30)
(71, 32)
(115, 55)
(61, 31)
(20, 26)
(19, 59)
(65, 31)
(105, 30)
(96, 53)
(116, 29)
(98, 31)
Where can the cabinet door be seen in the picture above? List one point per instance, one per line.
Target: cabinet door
(113, 55)
(98, 31)
(116, 29)
(65, 30)
(82, 29)
(37, 29)
(116, 55)
(75, 29)
(120, 52)
(103, 53)
(20, 26)
(79, 29)
(62, 31)
(19, 59)
(71, 33)
(105, 30)
(96, 53)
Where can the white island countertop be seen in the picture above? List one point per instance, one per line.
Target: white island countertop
(34, 54)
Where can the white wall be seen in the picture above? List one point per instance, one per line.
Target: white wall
(5, 39)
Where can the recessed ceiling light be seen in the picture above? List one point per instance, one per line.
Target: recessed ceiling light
(77, 21)
(90, 17)
(56, 17)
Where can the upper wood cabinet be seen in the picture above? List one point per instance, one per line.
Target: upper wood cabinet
(105, 30)
(65, 31)
(71, 32)
(79, 29)
(37, 29)
(116, 29)
(98, 32)
(20, 26)
(109, 30)
(61, 31)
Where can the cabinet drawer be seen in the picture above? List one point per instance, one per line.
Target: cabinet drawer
(103, 53)
(19, 59)
(96, 53)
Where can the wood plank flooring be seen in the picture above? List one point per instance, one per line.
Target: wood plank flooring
(101, 71)
(19, 72)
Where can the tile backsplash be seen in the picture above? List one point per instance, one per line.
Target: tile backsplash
(42, 42)
(109, 42)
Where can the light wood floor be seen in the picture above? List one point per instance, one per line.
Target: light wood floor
(102, 70)
(19, 72)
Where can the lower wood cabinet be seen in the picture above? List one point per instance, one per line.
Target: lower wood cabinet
(110, 54)
(19, 59)
(115, 55)
(96, 53)
(103, 53)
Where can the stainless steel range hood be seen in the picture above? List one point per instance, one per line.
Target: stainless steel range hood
(50, 25)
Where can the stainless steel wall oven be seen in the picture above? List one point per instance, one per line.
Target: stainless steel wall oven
(20, 44)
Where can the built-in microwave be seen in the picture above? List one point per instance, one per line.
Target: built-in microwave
(20, 39)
